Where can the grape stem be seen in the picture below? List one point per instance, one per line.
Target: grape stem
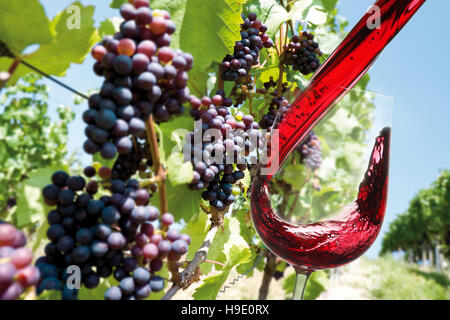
(220, 82)
(282, 54)
(185, 278)
(158, 169)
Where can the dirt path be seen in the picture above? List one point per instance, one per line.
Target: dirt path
(352, 282)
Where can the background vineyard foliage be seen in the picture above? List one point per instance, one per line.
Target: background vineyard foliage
(423, 230)
(236, 244)
(31, 140)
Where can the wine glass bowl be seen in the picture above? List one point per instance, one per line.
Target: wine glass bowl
(329, 238)
(336, 241)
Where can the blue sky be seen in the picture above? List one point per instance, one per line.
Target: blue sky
(409, 70)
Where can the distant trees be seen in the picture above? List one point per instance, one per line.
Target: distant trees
(423, 231)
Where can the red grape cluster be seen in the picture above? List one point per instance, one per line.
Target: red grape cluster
(102, 237)
(16, 273)
(136, 276)
(237, 67)
(278, 104)
(128, 164)
(143, 76)
(311, 151)
(219, 161)
(302, 53)
(241, 91)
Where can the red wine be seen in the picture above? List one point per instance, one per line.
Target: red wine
(336, 242)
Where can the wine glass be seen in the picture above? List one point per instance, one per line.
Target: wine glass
(356, 166)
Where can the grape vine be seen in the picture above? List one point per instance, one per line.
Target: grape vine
(109, 221)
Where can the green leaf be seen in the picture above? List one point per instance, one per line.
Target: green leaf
(197, 228)
(106, 27)
(225, 238)
(246, 228)
(180, 172)
(50, 295)
(172, 135)
(116, 4)
(40, 235)
(182, 202)
(314, 286)
(329, 5)
(171, 149)
(176, 8)
(68, 45)
(306, 10)
(30, 206)
(104, 162)
(23, 23)
(98, 293)
(269, 12)
(295, 175)
(223, 18)
(211, 286)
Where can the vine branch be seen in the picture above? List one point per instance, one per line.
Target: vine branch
(158, 169)
(184, 279)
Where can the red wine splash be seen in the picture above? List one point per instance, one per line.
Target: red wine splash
(330, 244)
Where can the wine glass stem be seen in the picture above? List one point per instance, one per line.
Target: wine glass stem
(300, 284)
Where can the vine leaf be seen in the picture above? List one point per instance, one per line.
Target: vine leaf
(226, 237)
(223, 18)
(107, 27)
(66, 46)
(177, 10)
(171, 149)
(314, 287)
(197, 228)
(295, 175)
(270, 12)
(99, 292)
(30, 206)
(211, 285)
(50, 295)
(116, 4)
(182, 202)
(24, 23)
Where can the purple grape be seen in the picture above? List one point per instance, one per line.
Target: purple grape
(116, 241)
(124, 145)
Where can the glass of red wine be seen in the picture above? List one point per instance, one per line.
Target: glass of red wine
(332, 242)
(351, 174)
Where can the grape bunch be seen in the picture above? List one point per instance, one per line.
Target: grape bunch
(241, 91)
(136, 276)
(219, 161)
(302, 53)
(143, 76)
(278, 104)
(237, 67)
(311, 152)
(16, 272)
(128, 164)
(109, 236)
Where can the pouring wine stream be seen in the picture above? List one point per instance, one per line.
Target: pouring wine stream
(308, 247)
